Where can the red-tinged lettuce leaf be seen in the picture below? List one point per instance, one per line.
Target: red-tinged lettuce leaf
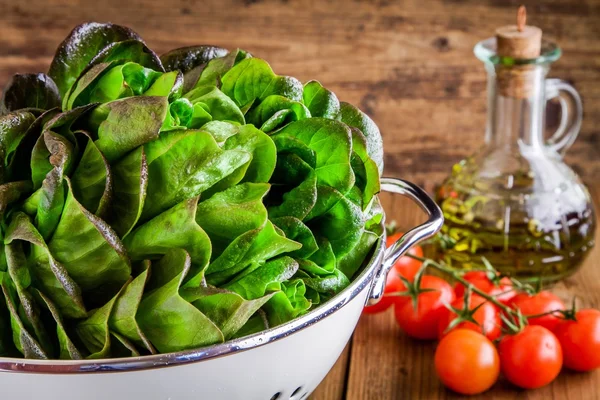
(24, 341)
(67, 349)
(170, 322)
(184, 164)
(228, 310)
(251, 248)
(18, 159)
(36, 91)
(11, 192)
(174, 228)
(122, 320)
(320, 101)
(265, 278)
(13, 129)
(29, 310)
(81, 46)
(130, 181)
(252, 80)
(230, 213)
(355, 118)
(90, 251)
(50, 275)
(214, 70)
(7, 346)
(47, 203)
(191, 61)
(123, 125)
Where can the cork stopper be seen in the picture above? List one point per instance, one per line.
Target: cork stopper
(519, 41)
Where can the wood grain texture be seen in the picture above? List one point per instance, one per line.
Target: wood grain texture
(408, 64)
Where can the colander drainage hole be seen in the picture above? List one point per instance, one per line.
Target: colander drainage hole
(276, 396)
(296, 393)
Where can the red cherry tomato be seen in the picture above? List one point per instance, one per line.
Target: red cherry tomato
(393, 284)
(531, 358)
(503, 292)
(539, 303)
(406, 266)
(580, 340)
(467, 362)
(422, 323)
(487, 316)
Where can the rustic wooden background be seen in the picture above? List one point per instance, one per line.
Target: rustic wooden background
(408, 64)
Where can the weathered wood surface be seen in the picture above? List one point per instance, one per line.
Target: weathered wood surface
(409, 64)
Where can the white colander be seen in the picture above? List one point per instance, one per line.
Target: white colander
(286, 362)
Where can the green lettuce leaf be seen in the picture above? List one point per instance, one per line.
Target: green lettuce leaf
(174, 228)
(183, 164)
(170, 322)
(122, 319)
(320, 101)
(232, 212)
(90, 251)
(228, 310)
(252, 247)
(252, 80)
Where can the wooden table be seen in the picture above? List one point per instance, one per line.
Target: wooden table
(382, 363)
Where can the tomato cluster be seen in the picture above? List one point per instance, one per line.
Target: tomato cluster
(478, 341)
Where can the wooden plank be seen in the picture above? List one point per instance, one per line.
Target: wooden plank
(334, 385)
(386, 364)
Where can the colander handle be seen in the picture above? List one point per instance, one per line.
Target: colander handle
(410, 238)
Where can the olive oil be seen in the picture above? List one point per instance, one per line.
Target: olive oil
(502, 226)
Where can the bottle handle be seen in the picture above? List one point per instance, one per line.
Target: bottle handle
(571, 115)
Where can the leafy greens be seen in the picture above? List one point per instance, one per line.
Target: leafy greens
(155, 204)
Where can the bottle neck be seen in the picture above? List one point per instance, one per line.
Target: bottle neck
(516, 105)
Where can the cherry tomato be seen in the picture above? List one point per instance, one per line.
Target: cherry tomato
(467, 362)
(580, 340)
(539, 303)
(406, 266)
(531, 358)
(393, 284)
(503, 292)
(422, 323)
(487, 316)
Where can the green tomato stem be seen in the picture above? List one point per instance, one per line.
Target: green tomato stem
(456, 276)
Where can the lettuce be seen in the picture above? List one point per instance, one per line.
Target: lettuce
(156, 204)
